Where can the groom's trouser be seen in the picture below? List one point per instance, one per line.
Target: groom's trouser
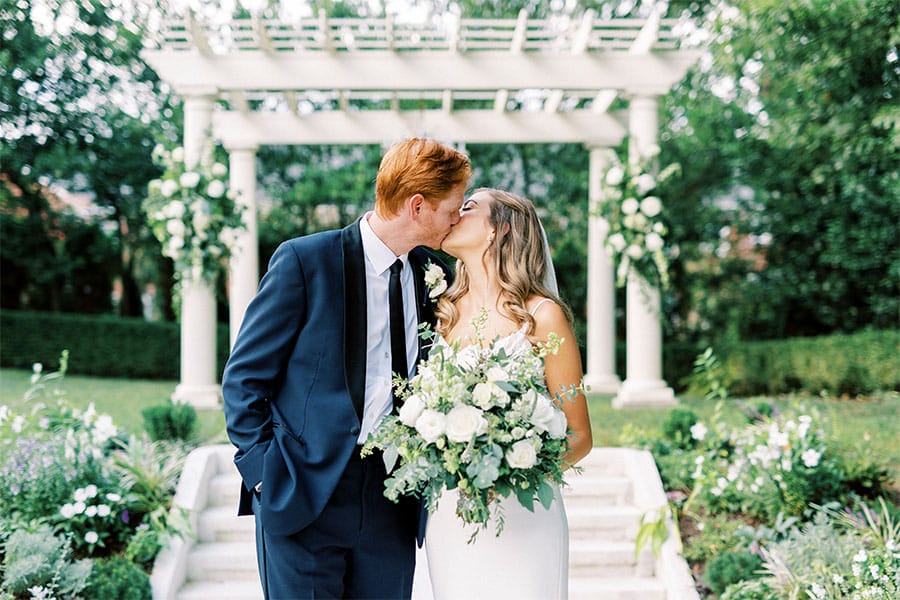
(362, 545)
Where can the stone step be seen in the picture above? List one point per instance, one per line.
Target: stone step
(222, 562)
(606, 461)
(221, 524)
(225, 490)
(593, 557)
(610, 523)
(249, 589)
(596, 490)
(615, 588)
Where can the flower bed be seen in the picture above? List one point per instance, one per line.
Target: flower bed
(86, 509)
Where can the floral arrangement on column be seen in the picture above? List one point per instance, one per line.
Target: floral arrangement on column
(636, 238)
(193, 214)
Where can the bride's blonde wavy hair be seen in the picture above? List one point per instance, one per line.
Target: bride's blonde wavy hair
(516, 257)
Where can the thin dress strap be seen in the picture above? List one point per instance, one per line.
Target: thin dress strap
(535, 308)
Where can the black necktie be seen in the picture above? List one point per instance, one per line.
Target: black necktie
(398, 328)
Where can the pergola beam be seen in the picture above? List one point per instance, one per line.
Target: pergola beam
(256, 70)
(376, 126)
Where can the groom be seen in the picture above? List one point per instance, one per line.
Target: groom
(309, 377)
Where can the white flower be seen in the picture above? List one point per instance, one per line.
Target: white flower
(482, 395)
(497, 374)
(18, 424)
(838, 579)
(200, 222)
(468, 358)
(860, 556)
(645, 182)
(543, 413)
(715, 491)
(522, 455)
(189, 179)
(37, 368)
(431, 425)
(634, 251)
(91, 537)
(168, 188)
(817, 591)
(113, 497)
(651, 206)
(173, 210)
(4, 413)
(630, 206)
(517, 433)
(614, 175)
(654, 242)
(558, 427)
(435, 280)
(90, 511)
(857, 570)
(103, 510)
(103, 430)
(67, 511)
(698, 432)
(218, 169)
(411, 410)
(465, 422)
(811, 458)
(178, 154)
(617, 241)
(175, 228)
(79, 507)
(215, 189)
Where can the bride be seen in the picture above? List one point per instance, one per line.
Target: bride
(504, 268)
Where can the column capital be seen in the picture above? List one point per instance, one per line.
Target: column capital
(647, 92)
(198, 92)
(234, 146)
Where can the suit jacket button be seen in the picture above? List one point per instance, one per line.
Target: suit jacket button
(355, 431)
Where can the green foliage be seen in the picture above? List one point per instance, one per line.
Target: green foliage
(117, 578)
(677, 428)
(40, 559)
(869, 359)
(99, 345)
(714, 533)
(149, 471)
(754, 589)
(727, 568)
(170, 421)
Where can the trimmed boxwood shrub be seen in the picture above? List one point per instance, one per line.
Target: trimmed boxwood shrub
(106, 346)
(853, 364)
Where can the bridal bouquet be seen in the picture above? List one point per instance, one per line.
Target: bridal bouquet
(477, 418)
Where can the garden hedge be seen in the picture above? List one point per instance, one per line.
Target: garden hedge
(106, 346)
(110, 346)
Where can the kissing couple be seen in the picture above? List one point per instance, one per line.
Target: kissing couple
(309, 379)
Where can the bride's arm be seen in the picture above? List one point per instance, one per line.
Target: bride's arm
(563, 370)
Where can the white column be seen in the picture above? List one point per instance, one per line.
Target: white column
(600, 375)
(198, 301)
(644, 385)
(243, 274)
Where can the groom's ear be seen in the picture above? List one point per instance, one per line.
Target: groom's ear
(415, 204)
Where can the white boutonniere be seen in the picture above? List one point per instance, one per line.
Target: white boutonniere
(435, 280)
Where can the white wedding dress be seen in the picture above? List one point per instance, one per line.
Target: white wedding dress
(529, 560)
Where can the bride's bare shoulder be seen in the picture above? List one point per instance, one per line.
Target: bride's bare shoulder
(548, 316)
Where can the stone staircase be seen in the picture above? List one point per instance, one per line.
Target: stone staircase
(604, 505)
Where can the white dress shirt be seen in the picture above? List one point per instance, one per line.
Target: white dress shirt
(379, 259)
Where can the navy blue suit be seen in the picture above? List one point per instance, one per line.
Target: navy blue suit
(294, 390)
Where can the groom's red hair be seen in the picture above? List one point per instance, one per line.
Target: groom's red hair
(418, 166)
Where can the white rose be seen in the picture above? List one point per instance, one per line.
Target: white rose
(617, 241)
(651, 206)
(482, 395)
(91, 537)
(630, 206)
(468, 358)
(543, 413)
(200, 222)
(698, 431)
(645, 183)
(178, 154)
(67, 511)
(634, 251)
(497, 374)
(653, 241)
(78, 507)
(215, 189)
(431, 425)
(439, 288)
(464, 423)
(174, 210)
(522, 455)
(558, 426)
(615, 175)
(168, 188)
(175, 228)
(113, 497)
(411, 410)
(91, 511)
(103, 510)
(218, 169)
(189, 179)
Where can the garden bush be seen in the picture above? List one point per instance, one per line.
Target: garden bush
(727, 568)
(107, 346)
(40, 560)
(170, 421)
(117, 578)
(853, 364)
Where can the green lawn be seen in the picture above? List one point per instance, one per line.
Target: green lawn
(869, 425)
(122, 399)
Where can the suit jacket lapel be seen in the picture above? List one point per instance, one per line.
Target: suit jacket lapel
(424, 305)
(355, 315)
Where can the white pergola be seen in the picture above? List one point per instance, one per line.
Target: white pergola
(261, 81)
